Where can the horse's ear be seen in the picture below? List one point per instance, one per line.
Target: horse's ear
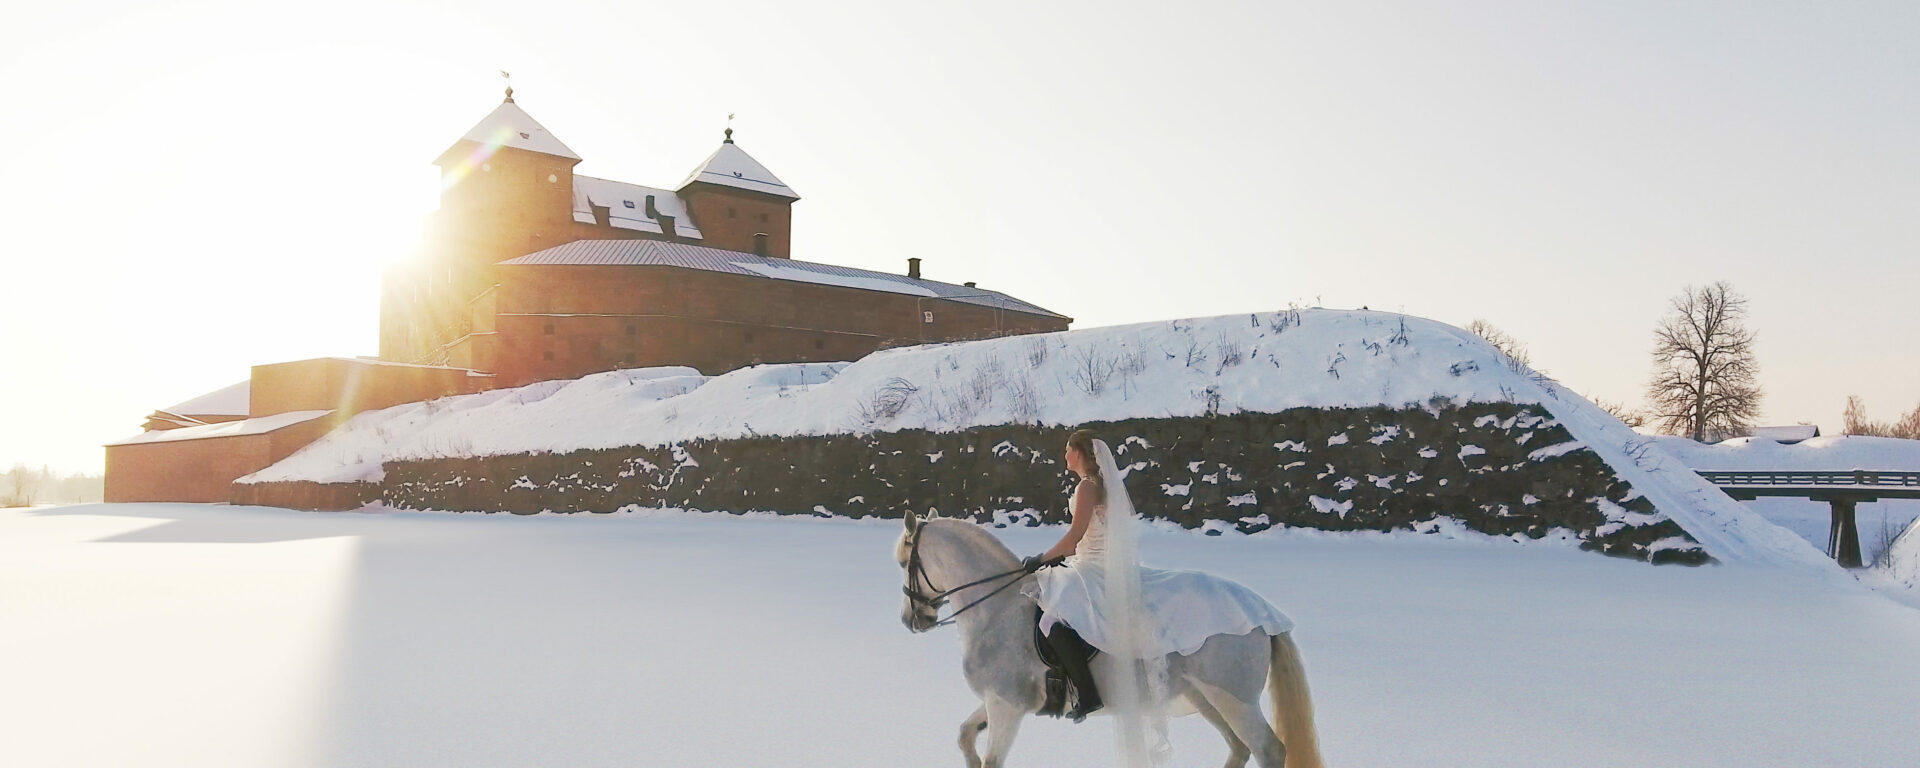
(913, 521)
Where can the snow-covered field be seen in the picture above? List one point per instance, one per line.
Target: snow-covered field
(166, 634)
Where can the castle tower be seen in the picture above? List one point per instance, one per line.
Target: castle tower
(506, 189)
(739, 204)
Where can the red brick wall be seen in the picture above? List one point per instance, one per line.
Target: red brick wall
(349, 386)
(560, 322)
(200, 470)
(729, 219)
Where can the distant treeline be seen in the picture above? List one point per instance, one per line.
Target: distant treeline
(1855, 422)
(24, 486)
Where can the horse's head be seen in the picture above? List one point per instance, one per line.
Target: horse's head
(920, 609)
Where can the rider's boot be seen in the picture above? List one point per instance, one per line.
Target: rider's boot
(1073, 654)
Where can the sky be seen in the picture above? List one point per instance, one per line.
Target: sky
(195, 188)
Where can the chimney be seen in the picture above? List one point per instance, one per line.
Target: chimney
(913, 267)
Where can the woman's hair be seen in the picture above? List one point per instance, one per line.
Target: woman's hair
(1081, 442)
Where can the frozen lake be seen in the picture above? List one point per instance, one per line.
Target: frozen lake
(171, 634)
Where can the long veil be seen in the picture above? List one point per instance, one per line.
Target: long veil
(1138, 690)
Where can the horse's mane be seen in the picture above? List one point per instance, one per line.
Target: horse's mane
(973, 534)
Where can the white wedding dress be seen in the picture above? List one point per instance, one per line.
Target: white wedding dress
(1182, 608)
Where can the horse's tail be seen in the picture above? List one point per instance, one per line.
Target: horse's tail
(1292, 708)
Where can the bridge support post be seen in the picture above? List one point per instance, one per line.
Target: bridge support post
(1843, 536)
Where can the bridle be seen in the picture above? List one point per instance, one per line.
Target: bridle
(917, 575)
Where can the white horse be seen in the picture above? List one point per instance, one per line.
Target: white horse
(1220, 682)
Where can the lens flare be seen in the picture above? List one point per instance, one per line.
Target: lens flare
(477, 158)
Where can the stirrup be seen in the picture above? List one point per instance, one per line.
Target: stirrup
(1076, 709)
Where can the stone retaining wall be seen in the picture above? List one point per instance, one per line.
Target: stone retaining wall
(1500, 469)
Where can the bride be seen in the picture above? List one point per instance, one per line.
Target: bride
(1092, 591)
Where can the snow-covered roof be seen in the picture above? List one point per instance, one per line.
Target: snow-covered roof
(255, 426)
(388, 364)
(784, 272)
(655, 253)
(731, 166)
(231, 400)
(626, 206)
(510, 126)
(1787, 434)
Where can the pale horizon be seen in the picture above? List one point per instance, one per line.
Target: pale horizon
(207, 187)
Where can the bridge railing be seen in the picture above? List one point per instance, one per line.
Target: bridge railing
(1848, 479)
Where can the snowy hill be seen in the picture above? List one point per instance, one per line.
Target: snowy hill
(1195, 370)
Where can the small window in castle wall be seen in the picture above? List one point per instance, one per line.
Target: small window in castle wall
(749, 338)
(631, 330)
(548, 330)
(819, 344)
(731, 212)
(547, 355)
(763, 218)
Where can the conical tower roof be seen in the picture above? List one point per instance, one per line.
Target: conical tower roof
(731, 166)
(509, 126)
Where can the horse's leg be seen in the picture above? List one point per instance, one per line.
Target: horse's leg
(1247, 723)
(1003, 723)
(1236, 749)
(970, 734)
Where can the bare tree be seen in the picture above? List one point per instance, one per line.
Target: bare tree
(23, 486)
(1854, 420)
(1704, 381)
(1515, 351)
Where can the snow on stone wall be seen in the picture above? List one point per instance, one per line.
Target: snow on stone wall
(1202, 370)
(1245, 472)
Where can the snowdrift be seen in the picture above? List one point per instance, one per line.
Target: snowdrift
(1194, 370)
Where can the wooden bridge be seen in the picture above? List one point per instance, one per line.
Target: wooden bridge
(1842, 490)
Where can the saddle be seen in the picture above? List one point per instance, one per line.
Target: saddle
(1062, 693)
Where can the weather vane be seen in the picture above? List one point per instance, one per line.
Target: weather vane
(509, 79)
(729, 128)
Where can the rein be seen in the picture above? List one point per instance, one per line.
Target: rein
(917, 574)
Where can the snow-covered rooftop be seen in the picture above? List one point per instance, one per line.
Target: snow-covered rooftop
(731, 166)
(510, 126)
(626, 206)
(657, 253)
(254, 426)
(1786, 434)
(230, 400)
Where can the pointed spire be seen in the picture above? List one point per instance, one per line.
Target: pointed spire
(731, 166)
(507, 126)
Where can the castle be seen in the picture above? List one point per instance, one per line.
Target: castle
(534, 272)
(531, 272)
